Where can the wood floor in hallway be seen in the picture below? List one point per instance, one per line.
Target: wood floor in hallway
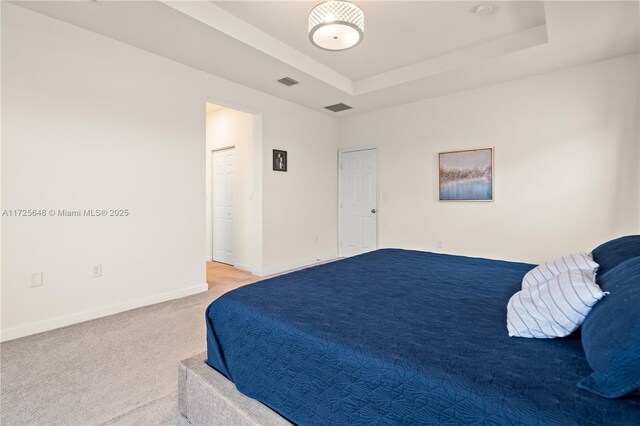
(221, 274)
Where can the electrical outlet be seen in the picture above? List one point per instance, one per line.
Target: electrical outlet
(316, 238)
(96, 270)
(37, 279)
(439, 244)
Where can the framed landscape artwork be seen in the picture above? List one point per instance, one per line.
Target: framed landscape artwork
(466, 175)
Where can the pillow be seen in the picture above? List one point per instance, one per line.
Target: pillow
(554, 308)
(611, 334)
(544, 272)
(614, 252)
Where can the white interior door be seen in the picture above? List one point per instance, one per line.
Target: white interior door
(223, 211)
(358, 202)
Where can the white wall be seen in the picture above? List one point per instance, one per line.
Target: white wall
(93, 123)
(302, 203)
(226, 128)
(566, 164)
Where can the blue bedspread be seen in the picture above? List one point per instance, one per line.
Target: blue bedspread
(400, 337)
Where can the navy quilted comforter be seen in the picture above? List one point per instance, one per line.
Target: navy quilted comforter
(400, 337)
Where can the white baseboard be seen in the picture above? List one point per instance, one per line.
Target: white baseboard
(294, 266)
(245, 268)
(39, 327)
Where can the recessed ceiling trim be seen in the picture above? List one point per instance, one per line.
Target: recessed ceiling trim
(604, 30)
(235, 27)
(229, 24)
(460, 58)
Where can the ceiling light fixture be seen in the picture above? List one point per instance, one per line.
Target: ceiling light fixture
(336, 25)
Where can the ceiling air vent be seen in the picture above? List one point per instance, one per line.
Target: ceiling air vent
(338, 107)
(288, 81)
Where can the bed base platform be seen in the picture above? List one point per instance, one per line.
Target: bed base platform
(206, 397)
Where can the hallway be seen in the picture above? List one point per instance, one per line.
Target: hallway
(221, 274)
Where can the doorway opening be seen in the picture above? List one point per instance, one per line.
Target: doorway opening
(231, 204)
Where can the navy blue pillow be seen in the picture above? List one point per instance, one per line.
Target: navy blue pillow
(612, 253)
(611, 334)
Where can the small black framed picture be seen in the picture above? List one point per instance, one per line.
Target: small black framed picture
(279, 160)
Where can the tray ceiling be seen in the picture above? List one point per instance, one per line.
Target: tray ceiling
(411, 50)
(397, 33)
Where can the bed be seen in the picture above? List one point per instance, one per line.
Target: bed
(400, 337)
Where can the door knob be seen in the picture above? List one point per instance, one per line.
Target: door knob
(373, 210)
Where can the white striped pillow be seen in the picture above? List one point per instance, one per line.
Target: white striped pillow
(554, 308)
(548, 270)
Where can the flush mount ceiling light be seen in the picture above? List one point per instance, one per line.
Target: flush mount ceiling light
(336, 25)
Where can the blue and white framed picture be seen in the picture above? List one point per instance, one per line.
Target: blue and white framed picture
(466, 175)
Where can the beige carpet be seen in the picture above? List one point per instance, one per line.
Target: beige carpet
(120, 369)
